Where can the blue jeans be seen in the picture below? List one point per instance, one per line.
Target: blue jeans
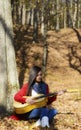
(40, 112)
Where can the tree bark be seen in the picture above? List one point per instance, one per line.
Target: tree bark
(3, 65)
(10, 78)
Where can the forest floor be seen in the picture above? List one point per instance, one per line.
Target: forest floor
(63, 71)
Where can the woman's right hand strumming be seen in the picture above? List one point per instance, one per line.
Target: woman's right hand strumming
(30, 100)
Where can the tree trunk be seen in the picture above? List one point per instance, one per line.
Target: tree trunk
(43, 32)
(42, 21)
(65, 25)
(78, 14)
(75, 15)
(71, 13)
(20, 13)
(3, 67)
(23, 14)
(9, 78)
(57, 16)
(28, 20)
(35, 25)
(15, 7)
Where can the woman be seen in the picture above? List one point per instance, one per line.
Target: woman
(36, 86)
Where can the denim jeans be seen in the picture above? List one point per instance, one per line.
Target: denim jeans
(40, 112)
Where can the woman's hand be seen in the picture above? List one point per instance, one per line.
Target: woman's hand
(62, 92)
(30, 100)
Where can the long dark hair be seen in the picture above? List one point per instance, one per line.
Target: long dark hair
(32, 76)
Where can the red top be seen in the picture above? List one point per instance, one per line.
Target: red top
(22, 92)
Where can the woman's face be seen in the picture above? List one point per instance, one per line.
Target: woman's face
(39, 77)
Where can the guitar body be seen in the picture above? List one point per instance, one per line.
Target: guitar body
(40, 101)
(24, 108)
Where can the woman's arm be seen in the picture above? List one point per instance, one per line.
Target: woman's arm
(50, 99)
(19, 96)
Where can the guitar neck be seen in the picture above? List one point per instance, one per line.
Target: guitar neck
(46, 95)
(50, 94)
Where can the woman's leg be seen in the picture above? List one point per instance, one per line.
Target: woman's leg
(38, 113)
(52, 113)
(34, 113)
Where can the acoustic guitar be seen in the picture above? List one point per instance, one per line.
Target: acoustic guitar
(40, 101)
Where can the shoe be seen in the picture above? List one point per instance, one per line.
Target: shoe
(38, 123)
(35, 124)
(45, 121)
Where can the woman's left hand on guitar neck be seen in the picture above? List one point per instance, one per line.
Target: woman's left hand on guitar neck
(61, 92)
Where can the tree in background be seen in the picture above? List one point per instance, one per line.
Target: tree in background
(56, 13)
